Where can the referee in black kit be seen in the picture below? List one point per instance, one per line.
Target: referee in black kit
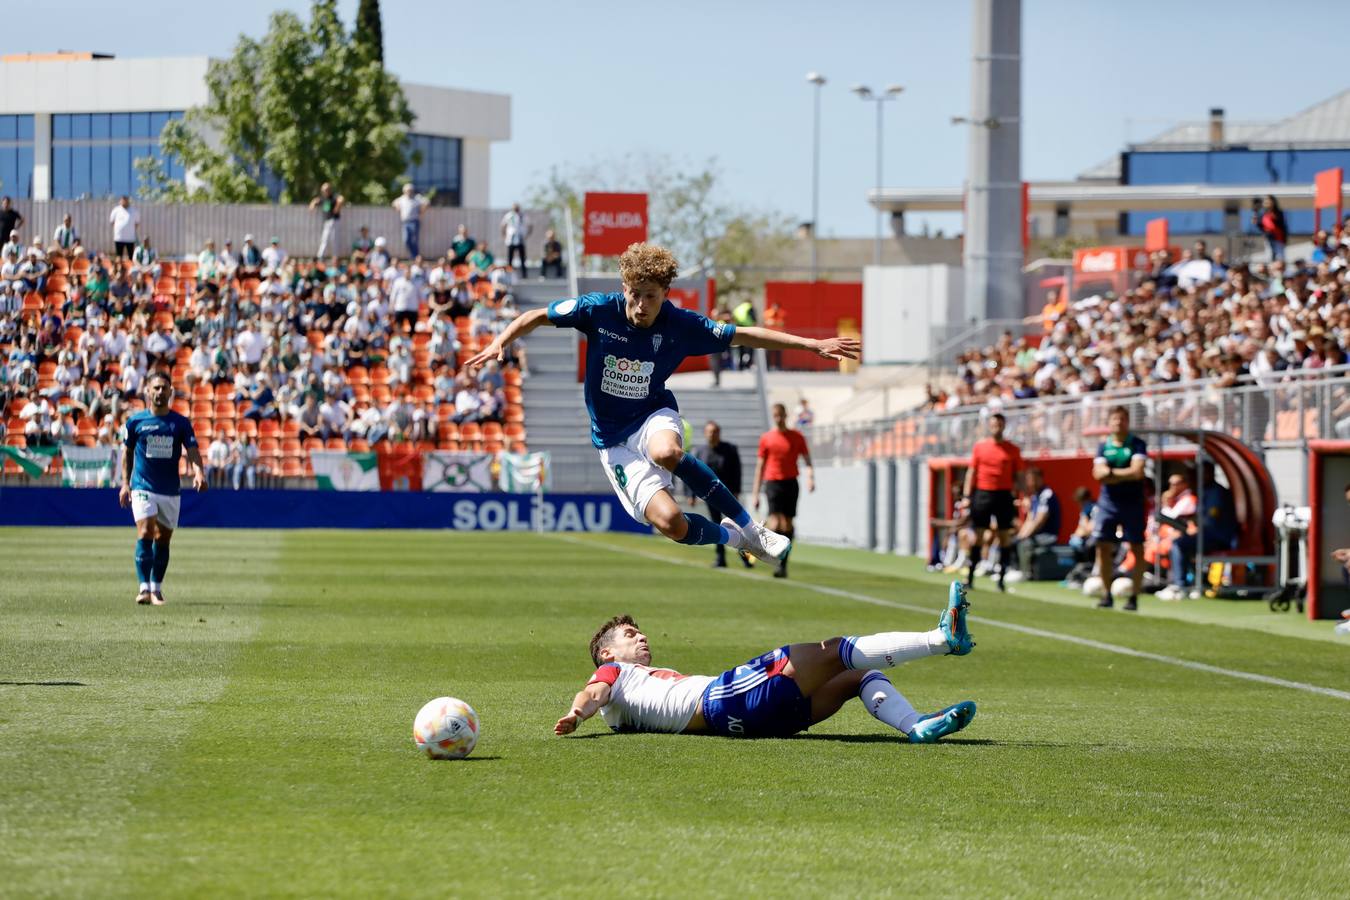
(725, 461)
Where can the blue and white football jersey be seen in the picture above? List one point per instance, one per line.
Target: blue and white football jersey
(158, 442)
(627, 366)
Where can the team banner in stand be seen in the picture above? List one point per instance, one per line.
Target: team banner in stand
(337, 470)
(524, 473)
(444, 471)
(31, 462)
(88, 466)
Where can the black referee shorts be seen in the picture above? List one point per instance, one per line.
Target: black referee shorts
(992, 509)
(782, 497)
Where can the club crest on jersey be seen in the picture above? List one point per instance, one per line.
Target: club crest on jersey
(656, 343)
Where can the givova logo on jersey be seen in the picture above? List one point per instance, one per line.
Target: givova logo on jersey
(630, 379)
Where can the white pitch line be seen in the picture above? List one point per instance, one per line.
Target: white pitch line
(1023, 629)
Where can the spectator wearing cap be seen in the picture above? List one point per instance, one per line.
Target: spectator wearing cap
(378, 260)
(250, 259)
(410, 205)
(273, 257)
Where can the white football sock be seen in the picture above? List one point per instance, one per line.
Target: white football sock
(890, 648)
(154, 587)
(885, 703)
(735, 537)
(145, 585)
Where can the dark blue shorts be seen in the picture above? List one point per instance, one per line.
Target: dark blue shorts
(757, 700)
(1130, 520)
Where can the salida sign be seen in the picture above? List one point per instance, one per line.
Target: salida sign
(613, 221)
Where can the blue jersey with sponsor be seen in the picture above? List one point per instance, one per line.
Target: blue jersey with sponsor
(1126, 494)
(627, 366)
(157, 443)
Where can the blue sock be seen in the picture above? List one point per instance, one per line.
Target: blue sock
(703, 531)
(710, 489)
(161, 563)
(145, 556)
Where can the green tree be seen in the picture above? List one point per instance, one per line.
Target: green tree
(685, 213)
(369, 32)
(308, 103)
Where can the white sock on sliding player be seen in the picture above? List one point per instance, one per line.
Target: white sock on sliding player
(885, 703)
(890, 648)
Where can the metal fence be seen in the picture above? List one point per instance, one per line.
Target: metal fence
(180, 229)
(1284, 410)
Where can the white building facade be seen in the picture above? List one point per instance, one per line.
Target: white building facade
(72, 125)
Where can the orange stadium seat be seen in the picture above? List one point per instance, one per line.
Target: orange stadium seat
(360, 445)
(336, 443)
(292, 467)
(492, 431)
(313, 443)
(248, 427)
(224, 428)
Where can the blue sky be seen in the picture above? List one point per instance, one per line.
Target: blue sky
(694, 80)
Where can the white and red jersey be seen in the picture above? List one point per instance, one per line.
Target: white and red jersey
(645, 699)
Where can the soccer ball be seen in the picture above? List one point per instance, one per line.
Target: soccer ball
(1092, 586)
(1122, 588)
(446, 728)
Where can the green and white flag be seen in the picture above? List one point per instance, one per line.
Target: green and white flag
(338, 470)
(87, 466)
(522, 472)
(465, 473)
(32, 462)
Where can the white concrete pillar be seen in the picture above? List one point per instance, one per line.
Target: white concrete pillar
(42, 156)
(475, 156)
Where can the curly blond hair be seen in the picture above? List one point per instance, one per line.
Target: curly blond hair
(647, 262)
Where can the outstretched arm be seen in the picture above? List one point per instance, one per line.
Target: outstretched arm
(519, 327)
(768, 339)
(585, 704)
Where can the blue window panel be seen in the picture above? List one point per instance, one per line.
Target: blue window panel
(79, 171)
(123, 181)
(60, 127)
(157, 122)
(61, 173)
(1164, 168)
(1304, 164)
(9, 128)
(100, 177)
(100, 126)
(176, 114)
(8, 174)
(79, 126)
(1178, 222)
(23, 183)
(25, 128)
(140, 125)
(121, 125)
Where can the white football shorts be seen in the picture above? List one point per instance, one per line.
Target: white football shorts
(162, 507)
(636, 479)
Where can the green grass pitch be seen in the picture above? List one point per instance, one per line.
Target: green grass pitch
(253, 737)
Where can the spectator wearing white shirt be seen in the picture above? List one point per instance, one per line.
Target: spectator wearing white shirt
(250, 345)
(126, 220)
(410, 206)
(378, 260)
(400, 368)
(467, 402)
(229, 260)
(515, 228)
(208, 263)
(65, 237)
(273, 258)
(160, 347)
(130, 382)
(405, 297)
(244, 462)
(217, 457)
(336, 417)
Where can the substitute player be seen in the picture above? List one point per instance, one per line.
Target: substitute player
(155, 440)
(635, 340)
(1121, 467)
(776, 469)
(994, 464)
(777, 694)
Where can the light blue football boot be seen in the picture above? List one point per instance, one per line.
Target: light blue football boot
(953, 621)
(940, 724)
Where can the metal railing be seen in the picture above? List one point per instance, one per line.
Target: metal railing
(1284, 409)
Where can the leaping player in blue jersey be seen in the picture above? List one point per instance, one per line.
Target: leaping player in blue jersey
(155, 440)
(635, 340)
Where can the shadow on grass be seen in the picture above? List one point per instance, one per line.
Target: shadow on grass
(43, 684)
(469, 759)
(969, 742)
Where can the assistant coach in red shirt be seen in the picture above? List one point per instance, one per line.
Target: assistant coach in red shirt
(994, 464)
(776, 471)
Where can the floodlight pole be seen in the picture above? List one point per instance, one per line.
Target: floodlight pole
(865, 93)
(818, 80)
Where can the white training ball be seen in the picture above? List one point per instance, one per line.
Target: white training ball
(1092, 586)
(1122, 588)
(446, 728)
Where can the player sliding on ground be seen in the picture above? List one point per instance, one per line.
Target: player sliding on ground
(635, 339)
(155, 440)
(778, 694)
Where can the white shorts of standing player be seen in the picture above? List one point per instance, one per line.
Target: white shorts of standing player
(636, 479)
(161, 507)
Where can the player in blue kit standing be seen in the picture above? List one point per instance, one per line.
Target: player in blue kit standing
(156, 438)
(635, 340)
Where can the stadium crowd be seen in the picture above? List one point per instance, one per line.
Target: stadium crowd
(271, 356)
(1198, 318)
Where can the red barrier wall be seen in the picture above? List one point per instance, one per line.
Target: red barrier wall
(815, 310)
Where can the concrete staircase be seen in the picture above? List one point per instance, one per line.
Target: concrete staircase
(555, 410)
